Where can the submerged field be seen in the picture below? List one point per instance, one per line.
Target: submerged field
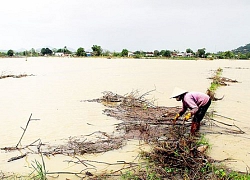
(56, 93)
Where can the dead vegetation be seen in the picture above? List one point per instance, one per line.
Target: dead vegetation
(173, 147)
(3, 75)
(219, 80)
(180, 158)
(223, 81)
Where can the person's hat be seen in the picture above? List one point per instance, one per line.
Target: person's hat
(177, 92)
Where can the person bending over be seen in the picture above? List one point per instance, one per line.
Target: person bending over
(197, 102)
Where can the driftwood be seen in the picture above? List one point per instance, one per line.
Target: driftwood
(2, 76)
(24, 130)
(80, 145)
(17, 157)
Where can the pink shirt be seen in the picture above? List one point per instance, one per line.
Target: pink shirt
(194, 100)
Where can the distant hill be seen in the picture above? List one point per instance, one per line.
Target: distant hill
(242, 49)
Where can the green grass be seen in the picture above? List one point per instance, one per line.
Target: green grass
(39, 171)
(216, 80)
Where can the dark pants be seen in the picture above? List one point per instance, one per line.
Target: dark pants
(199, 115)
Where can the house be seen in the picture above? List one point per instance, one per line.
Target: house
(188, 54)
(182, 54)
(60, 54)
(130, 54)
(149, 54)
(88, 54)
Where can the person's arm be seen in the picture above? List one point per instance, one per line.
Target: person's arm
(183, 110)
(192, 105)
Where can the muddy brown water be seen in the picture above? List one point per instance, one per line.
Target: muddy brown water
(56, 91)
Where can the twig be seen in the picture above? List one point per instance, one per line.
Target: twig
(228, 125)
(32, 144)
(146, 93)
(17, 157)
(24, 129)
(223, 116)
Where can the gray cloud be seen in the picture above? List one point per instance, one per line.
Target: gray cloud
(217, 25)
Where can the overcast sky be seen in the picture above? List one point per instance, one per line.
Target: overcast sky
(217, 25)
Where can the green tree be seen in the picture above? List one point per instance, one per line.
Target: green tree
(33, 52)
(46, 51)
(106, 53)
(124, 53)
(10, 53)
(137, 52)
(228, 54)
(2, 54)
(116, 54)
(248, 55)
(162, 52)
(167, 53)
(64, 50)
(156, 53)
(97, 50)
(242, 56)
(220, 55)
(189, 51)
(80, 52)
(201, 53)
(25, 53)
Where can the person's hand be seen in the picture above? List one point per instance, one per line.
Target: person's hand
(176, 117)
(187, 117)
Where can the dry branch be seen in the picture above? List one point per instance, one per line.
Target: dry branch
(24, 129)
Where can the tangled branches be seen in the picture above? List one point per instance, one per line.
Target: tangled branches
(140, 118)
(180, 157)
(80, 145)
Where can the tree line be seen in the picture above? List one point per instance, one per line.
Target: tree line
(239, 53)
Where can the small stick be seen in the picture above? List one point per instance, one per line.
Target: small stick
(228, 125)
(224, 116)
(24, 129)
(17, 157)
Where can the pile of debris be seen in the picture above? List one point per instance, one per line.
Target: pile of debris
(181, 157)
(173, 147)
(140, 119)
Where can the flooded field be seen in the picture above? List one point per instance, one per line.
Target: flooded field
(55, 89)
